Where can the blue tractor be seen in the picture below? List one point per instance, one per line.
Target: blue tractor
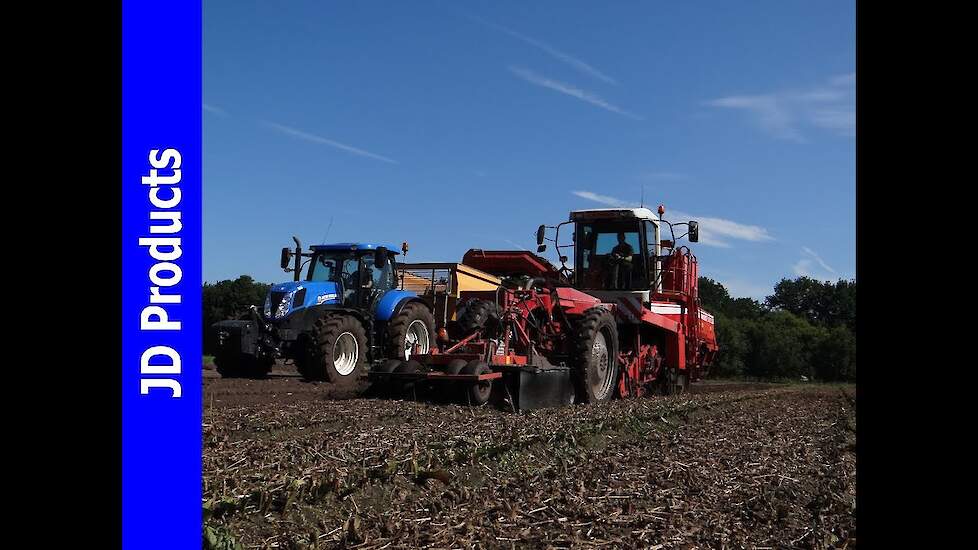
(345, 313)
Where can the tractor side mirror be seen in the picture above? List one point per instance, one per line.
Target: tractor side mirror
(694, 232)
(380, 257)
(540, 234)
(286, 257)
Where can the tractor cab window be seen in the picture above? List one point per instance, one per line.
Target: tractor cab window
(384, 278)
(610, 256)
(325, 267)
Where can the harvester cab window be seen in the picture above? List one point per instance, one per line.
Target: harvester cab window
(611, 256)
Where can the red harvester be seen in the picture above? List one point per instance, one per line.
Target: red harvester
(623, 320)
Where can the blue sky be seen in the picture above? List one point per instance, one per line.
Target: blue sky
(457, 125)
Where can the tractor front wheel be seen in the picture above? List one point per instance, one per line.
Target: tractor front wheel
(595, 356)
(337, 352)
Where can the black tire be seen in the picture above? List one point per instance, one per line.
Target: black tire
(331, 341)
(477, 315)
(412, 316)
(382, 388)
(449, 391)
(405, 389)
(596, 370)
(478, 393)
(241, 365)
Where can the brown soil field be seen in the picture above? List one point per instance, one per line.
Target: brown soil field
(290, 464)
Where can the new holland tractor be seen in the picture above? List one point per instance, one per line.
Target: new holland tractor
(623, 320)
(346, 312)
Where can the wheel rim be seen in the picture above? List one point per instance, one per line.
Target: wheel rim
(600, 357)
(417, 334)
(346, 353)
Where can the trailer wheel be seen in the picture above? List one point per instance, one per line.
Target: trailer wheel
(337, 352)
(232, 364)
(404, 389)
(413, 326)
(477, 394)
(595, 356)
(478, 314)
(383, 388)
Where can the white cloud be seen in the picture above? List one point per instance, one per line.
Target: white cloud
(805, 267)
(324, 141)
(603, 199)
(713, 231)
(577, 64)
(570, 90)
(830, 106)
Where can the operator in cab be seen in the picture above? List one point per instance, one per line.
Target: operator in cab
(621, 264)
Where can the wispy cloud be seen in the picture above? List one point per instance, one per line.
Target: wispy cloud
(828, 106)
(574, 62)
(713, 231)
(324, 141)
(570, 90)
(215, 110)
(603, 199)
(804, 267)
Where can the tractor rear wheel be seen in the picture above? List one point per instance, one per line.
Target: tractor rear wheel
(337, 352)
(595, 356)
(231, 364)
(413, 327)
(477, 315)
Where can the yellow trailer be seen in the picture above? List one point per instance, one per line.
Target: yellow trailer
(442, 283)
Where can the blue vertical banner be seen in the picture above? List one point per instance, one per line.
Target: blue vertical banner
(161, 274)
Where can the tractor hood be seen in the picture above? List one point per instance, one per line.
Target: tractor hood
(286, 298)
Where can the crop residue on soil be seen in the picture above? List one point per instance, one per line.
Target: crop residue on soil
(289, 465)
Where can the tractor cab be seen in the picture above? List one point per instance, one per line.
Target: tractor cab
(362, 272)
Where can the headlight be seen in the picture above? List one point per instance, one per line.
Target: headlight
(284, 305)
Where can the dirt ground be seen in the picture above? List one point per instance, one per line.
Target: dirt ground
(290, 464)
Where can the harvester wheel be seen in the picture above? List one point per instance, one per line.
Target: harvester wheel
(413, 326)
(477, 393)
(478, 314)
(232, 364)
(595, 356)
(338, 351)
(675, 382)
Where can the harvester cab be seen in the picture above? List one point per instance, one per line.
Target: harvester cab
(617, 249)
(342, 309)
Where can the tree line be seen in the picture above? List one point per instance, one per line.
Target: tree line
(805, 328)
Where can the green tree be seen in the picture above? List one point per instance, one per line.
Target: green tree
(733, 340)
(822, 303)
(834, 357)
(713, 295)
(781, 347)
